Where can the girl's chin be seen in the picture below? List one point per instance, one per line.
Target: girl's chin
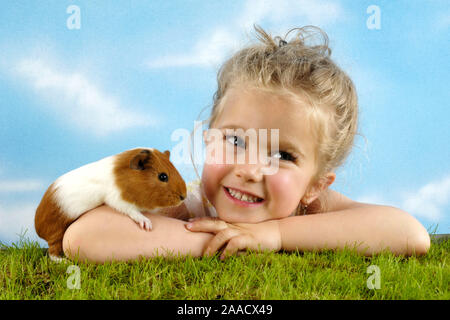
(241, 218)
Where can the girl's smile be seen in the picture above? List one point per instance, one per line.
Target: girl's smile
(243, 198)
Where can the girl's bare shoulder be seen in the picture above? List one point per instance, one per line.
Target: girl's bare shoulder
(330, 201)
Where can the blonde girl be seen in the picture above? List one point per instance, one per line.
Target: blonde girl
(287, 84)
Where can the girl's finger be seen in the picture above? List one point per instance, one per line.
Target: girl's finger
(235, 245)
(200, 218)
(219, 241)
(207, 225)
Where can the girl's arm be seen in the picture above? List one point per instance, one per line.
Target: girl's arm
(104, 234)
(372, 228)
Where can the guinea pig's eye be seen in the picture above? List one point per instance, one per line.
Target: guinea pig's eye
(163, 177)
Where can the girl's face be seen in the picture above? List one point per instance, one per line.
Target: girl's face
(266, 197)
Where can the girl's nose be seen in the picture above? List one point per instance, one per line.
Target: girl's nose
(249, 172)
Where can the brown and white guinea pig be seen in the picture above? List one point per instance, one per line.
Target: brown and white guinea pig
(130, 182)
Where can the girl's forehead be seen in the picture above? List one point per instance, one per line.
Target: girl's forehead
(256, 108)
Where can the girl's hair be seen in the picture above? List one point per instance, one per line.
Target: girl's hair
(303, 72)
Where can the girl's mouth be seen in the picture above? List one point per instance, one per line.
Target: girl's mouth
(241, 198)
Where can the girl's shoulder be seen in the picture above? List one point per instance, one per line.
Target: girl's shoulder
(196, 203)
(329, 201)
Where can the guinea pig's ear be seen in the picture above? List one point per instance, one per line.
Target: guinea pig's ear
(140, 160)
(167, 153)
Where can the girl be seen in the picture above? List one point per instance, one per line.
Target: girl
(276, 84)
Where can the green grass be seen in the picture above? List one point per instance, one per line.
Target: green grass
(27, 273)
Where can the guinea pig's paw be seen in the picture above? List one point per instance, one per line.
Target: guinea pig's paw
(57, 259)
(145, 223)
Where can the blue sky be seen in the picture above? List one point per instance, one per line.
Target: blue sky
(134, 72)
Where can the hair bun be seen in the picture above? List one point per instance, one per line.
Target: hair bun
(280, 42)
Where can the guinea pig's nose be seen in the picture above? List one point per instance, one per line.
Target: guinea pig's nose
(181, 197)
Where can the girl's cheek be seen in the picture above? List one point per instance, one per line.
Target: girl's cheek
(281, 181)
(212, 176)
(285, 189)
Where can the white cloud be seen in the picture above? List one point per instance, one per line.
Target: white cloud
(76, 100)
(207, 52)
(20, 185)
(211, 49)
(16, 220)
(428, 202)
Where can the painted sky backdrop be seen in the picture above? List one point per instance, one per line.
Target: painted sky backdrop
(136, 71)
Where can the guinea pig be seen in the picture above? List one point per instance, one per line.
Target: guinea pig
(136, 180)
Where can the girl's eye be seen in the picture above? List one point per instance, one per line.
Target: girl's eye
(286, 156)
(236, 141)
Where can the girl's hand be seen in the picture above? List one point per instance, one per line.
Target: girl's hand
(237, 236)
